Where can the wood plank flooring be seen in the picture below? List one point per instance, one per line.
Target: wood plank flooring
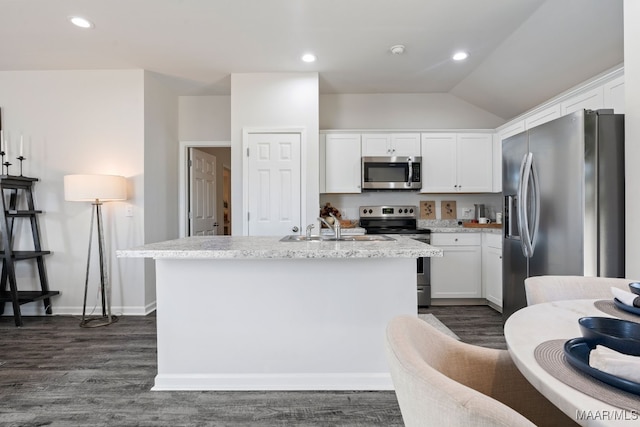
(54, 373)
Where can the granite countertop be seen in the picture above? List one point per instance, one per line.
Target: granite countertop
(245, 247)
(461, 229)
(452, 226)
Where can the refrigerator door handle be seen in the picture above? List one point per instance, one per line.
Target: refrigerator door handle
(529, 235)
(522, 206)
(535, 185)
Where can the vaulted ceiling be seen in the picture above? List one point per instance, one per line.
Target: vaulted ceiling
(522, 52)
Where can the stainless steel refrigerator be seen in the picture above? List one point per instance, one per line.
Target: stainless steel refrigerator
(563, 212)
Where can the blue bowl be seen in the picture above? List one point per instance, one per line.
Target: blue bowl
(635, 287)
(617, 334)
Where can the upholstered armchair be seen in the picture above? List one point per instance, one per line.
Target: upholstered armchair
(541, 289)
(440, 381)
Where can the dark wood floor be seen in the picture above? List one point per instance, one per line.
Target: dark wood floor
(54, 373)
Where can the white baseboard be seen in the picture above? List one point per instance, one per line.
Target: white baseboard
(282, 382)
(37, 309)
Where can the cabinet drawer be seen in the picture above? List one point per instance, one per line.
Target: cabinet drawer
(455, 239)
(493, 240)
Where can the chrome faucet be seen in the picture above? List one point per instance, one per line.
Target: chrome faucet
(309, 228)
(336, 225)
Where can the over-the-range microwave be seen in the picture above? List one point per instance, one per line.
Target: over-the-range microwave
(391, 173)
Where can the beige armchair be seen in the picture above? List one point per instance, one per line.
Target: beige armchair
(556, 288)
(440, 381)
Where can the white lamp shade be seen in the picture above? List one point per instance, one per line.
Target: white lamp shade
(89, 188)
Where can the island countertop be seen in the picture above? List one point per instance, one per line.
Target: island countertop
(267, 247)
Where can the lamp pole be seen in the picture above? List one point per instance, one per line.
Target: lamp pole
(107, 318)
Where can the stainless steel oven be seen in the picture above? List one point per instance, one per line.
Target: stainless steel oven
(391, 173)
(401, 220)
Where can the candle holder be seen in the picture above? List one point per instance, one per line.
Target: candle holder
(21, 158)
(6, 166)
(2, 153)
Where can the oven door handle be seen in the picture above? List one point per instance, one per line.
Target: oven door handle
(410, 179)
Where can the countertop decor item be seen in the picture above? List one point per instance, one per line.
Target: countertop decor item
(96, 189)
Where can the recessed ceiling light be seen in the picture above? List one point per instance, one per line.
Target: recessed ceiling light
(460, 56)
(309, 57)
(81, 22)
(397, 49)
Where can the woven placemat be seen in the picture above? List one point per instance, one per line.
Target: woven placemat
(550, 356)
(609, 307)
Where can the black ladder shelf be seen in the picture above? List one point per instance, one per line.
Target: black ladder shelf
(11, 186)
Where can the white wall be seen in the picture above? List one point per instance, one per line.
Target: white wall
(278, 100)
(205, 118)
(79, 122)
(402, 111)
(632, 135)
(160, 173)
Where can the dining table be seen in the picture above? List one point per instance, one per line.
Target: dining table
(535, 337)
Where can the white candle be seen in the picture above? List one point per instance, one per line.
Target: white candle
(1, 140)
(21, 146)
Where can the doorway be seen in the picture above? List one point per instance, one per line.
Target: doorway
(222, 151)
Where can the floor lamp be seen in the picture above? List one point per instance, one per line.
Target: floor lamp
(96, 189)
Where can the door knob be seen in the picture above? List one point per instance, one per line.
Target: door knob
(295, 229)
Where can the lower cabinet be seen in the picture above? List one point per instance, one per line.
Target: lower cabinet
(492, 268)
(458, 274)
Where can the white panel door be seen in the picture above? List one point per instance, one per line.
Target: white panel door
(274, 184)
(202, 193)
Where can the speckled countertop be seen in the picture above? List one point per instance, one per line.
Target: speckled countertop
(244, 247)
(452, 226)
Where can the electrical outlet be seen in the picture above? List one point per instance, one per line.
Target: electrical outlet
(128, 210)
(467, 213)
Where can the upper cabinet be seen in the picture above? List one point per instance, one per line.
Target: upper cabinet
(606, 92)
(592, 100)
(391, 144)
(545, 115)
(342, 163)
(614, 95)
(457, 163)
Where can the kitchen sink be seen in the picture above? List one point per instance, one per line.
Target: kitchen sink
(300, 238)
(352, 238)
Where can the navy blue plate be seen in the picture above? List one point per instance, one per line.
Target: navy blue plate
(625, 307)
(635, 287)
(623, 335)
(577, 351)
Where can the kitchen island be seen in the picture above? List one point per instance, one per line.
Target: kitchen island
(255, 313)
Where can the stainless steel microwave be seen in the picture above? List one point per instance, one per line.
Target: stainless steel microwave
(391, 173)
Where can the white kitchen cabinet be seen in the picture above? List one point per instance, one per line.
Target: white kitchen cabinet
(391, 144)
(512, 129)
(458, 274)
(492, 268)
(592, 100)
(614, 95)
(457, 163)
(543, 116)
(342, 158)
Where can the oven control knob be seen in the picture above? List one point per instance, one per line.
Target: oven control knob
(370, 211)
(364, 211)
(410, 210)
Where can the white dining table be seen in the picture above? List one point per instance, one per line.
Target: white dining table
(527, 328)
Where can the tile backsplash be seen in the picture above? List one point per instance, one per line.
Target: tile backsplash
(348, 204)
